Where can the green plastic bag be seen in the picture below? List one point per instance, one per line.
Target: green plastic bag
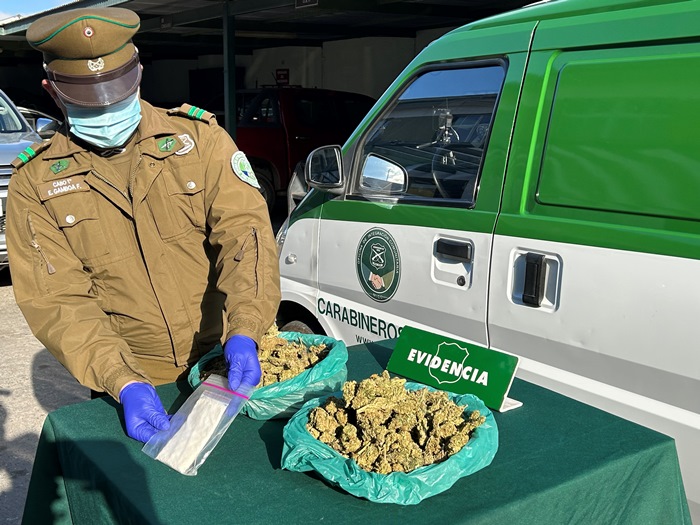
(302, 452)
(281, 400)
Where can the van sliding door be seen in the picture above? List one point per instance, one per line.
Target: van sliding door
(596, 256)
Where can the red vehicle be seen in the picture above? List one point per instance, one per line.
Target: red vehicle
(279, 126)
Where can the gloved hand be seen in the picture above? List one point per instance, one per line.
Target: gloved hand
(144, 414)
(243, 366)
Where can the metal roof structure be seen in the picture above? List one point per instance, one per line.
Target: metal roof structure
(191, 28)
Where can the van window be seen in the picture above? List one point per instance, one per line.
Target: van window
(437, 131)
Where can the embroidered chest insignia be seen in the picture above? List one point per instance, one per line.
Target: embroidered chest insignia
(59, 166)
(188, 144)
(166, 144)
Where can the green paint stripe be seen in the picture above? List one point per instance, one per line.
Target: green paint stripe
(653, 237)
(39, 42)
(23, 157)
(200, 113)
(458, 219)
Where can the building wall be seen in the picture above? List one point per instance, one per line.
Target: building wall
(362, 65)
(365, 65)
(305, 65)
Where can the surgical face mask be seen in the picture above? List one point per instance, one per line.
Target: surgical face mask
(107, 127)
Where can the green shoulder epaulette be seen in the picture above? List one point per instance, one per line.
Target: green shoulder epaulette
(29, 153)
(193, 112)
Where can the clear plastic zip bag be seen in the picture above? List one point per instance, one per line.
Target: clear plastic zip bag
(196, 428)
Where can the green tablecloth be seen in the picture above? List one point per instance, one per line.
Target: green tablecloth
(559, 461)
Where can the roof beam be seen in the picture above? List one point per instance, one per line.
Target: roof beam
(237, 7)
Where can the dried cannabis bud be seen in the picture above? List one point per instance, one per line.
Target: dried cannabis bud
(386, 428)
(279, 359)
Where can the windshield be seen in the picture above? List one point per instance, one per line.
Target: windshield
(10, 119)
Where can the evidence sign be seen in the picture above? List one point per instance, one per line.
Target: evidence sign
(455, 366)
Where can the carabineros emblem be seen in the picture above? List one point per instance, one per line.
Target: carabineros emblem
(378, 264)
(60, 165)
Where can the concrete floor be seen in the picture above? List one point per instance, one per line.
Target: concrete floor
(32, 384)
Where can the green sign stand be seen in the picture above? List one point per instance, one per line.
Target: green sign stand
(455, 366)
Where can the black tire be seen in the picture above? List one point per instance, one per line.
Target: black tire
(297, 326)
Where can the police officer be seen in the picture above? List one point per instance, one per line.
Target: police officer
(137, 237)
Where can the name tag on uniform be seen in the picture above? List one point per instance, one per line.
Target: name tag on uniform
(57, 187)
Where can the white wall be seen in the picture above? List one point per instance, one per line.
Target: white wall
(362, 65)
(365, 65)
(304, 64)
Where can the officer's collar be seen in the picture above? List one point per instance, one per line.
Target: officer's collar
(61, 146)
(152, 125)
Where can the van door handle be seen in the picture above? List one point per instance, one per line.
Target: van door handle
(461, 251)
(533, 288)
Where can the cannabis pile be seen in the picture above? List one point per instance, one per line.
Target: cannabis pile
(386, 428)
(280, 359)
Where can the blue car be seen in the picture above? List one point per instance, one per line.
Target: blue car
(15, 135)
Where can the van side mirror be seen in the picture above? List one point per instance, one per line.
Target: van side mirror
(324, 169)
(383, 175)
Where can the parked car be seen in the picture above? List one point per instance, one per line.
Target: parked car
(277, 128)
(16, 135)
(43, 123)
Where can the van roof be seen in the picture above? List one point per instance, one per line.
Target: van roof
(551, 9)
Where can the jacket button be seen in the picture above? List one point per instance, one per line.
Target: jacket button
(70, 219)
(191, 185)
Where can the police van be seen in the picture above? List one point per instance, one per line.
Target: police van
(530, 183)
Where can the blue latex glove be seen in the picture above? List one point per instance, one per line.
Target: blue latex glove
(144, 414)
(241, 355)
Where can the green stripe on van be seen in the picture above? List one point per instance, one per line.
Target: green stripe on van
(410, 215)
(658, 236)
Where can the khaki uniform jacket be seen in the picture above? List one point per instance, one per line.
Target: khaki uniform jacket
(123, 286)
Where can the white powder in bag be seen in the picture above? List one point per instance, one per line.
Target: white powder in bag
(181, 451)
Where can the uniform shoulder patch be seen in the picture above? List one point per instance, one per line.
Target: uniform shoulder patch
(29, 153)
(243, 170)
(193, 112)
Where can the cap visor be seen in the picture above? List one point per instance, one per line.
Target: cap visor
(98, 93)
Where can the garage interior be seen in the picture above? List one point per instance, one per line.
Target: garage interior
(201, 51)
